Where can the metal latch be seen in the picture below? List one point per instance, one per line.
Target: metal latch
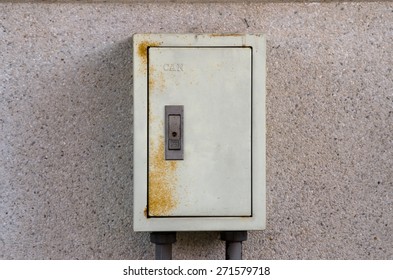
(174, 132)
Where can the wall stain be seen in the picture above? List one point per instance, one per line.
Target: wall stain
(162, 181)
(225, 35)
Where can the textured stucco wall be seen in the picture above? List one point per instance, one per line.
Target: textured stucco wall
(66, 128)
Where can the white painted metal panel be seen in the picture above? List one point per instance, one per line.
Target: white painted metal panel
(222, 88)
(214, 86)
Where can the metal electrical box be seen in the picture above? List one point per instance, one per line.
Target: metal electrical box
(199, 132)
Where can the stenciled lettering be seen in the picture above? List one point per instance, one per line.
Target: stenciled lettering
(175, 67)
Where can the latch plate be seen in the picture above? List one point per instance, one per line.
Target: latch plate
(174, 132)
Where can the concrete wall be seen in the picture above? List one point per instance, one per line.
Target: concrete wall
(66, 128)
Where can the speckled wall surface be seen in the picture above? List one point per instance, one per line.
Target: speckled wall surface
(66, 128)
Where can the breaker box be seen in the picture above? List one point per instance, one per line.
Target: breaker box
(199, 132)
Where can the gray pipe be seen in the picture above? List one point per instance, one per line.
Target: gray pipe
(233, 250)
(233, 244)
(163, 241)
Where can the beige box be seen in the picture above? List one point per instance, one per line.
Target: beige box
(218, 81)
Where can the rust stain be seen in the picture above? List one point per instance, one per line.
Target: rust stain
(152, 82)
(162, 181)
(161, 81)
(145, 212)
(152, 118)
(156, 80)
(142, 49)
